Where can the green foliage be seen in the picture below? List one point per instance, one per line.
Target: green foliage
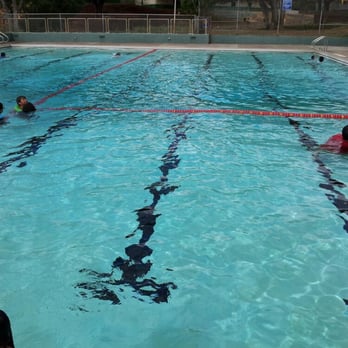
(52, 6)
(188, 7)
(311, 5)
(195, 7)
(304, 5)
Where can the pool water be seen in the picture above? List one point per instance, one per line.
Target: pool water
(136, 213)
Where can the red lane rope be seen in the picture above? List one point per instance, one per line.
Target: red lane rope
(80, 82)
(214, 111)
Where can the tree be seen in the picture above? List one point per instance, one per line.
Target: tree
(40, 6)
(98, 5)
(325, 4)
(270, 9)
(197, 7)
(12, 6)
(53, 6)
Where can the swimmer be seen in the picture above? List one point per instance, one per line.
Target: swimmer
(20, 100)
(3, 55)
(6, 339)
(117, 54)
(23, 105)
(320, 59)
(337, 143)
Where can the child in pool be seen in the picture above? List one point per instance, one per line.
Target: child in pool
(23, 105)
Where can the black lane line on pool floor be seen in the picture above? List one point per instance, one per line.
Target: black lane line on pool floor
(31, 146)
(325, 78)
(94, 76)
(137, 84)
(29, 71)
(134, 269)
(9, 59)
(336, 197)
(266, 83)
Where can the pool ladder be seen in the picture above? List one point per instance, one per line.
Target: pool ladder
(3, 38)
(324, 43)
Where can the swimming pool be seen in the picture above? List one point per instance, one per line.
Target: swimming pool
(140, 208)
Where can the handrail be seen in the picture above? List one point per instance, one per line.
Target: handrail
(3, 37)
(319, 39)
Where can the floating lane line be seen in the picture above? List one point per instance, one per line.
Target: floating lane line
(211, 111)
(80, 82)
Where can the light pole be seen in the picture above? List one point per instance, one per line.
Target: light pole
(279, 14)
(237, 23)
(321, 14)
(174, 16)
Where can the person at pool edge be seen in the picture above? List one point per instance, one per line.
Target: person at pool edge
(6, 338)
(23, 105)
(337, 143)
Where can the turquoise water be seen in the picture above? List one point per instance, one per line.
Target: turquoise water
(250, 250)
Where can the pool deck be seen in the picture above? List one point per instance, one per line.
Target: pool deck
(338, 53)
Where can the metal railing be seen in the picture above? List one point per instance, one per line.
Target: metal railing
(232, 23)
(324, 43)
(3, 38)
(108, 23)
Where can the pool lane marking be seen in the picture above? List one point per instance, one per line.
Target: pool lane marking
(25, 56)
(325, 78)
(80, 82)
(210, 111)
(60, 59)
(335, 196)
(134, 269)
(266, 81)
(31, 146)
(304, 138)
(7, 81)
(338, 199)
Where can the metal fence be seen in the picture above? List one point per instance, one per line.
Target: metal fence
(110, 23)
(240, 21)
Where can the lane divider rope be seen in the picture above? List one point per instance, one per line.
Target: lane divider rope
(212, 111)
